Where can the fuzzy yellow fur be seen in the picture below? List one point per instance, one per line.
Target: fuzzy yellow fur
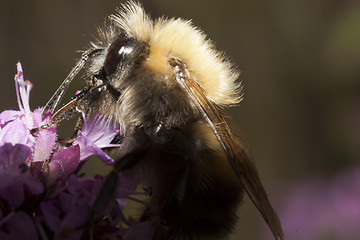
(179, 38)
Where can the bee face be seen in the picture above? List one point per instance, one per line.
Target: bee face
(156, 42)
(133, 59)
(115, 61)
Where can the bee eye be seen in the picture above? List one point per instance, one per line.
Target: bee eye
(116, 54)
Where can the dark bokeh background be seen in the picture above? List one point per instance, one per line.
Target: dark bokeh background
(300, 64)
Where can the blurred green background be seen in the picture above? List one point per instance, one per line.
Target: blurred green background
(299, 62)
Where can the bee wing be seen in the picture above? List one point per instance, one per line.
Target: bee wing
(233, 148)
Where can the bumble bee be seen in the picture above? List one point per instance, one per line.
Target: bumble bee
(165, 86)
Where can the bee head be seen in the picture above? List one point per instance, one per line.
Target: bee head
(131, 40)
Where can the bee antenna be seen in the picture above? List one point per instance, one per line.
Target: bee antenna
(56, 98)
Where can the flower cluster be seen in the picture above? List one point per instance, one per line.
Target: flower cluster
(41, 195)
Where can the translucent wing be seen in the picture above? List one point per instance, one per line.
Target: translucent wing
(233, 148)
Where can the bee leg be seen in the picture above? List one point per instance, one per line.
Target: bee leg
(172, 205)
(69, 141)
(78, 126)
(107, 191)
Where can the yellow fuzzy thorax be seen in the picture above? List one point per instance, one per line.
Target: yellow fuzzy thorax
(179, 38)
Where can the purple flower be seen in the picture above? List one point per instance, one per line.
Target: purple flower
(19, 225)
(69, 210)
(45, 140)
(63, 163)
(95, 134)
(40, 193)
(14, 174)
(15, 125)
(15, 128)
(319, 208)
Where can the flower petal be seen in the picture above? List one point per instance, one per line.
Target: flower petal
(51, 215)
(45, 140)
(22, 90)
(64, 163)
(12, 156)
(14, 174)
(89, 148)
(100, 131)
(15, 132)
(8, 116)
(19, 226)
